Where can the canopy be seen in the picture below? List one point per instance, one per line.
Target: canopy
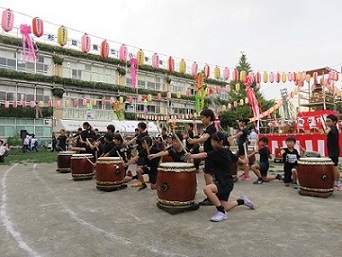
(125, 126)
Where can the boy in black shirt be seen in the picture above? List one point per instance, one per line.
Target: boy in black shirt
(218, 192)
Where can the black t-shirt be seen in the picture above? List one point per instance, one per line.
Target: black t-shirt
(107, 147)
(177, 156)
(139, 138)
(290, 158)
(211, 129)
(123, 150)
(87, 133)
(333, 142)
(241, 140)
(154, 163)
(62, 141)
(221, 160)
(264, 153)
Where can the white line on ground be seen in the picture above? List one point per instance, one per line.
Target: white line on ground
(120, 239)
(6, 219)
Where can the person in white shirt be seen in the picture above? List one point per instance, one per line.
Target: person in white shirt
(253, 138)
(2, 151)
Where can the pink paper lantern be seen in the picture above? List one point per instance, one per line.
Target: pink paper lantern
(168, 95)
(123, 53)
(226, 73)
(15, 104)
(111, 100)
(235, 103)
(271, 77)
(155, 61)
(206, 71)
(229, 106)
(139, 99)
(289, 76)
(6, 104)
(104, 51)
(75, 102)
(24, 104)
(227, 88)
(194, 69)
(159, 97)
(38, 27)
(235, 75)
(258, 77)
(49, 103)
(84, 102)
(85, 43)
(7, 20)
(103, 101)
(277, 77)
(32, 104)
(130, 99)
(315, 77)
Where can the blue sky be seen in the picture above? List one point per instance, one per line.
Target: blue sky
(275, 35)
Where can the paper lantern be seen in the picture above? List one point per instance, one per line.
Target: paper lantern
(130, 99)
(168, 95)
(258, 77)
(188, 93)
(66, 103)
(265, 77)
(58, 104)
(206, 71)
(6, 104)
(7, 20)
(155, 61)
(289, 76)
(139, 98)
(235, 75)
(123, 53)
(217, 72)
(235, 103)
(271, 77)
(15, 104)
(227, 88)
(103, 101)
(277, 77)
(32, 104)
(149, 97)
(298, 76)
(283, 77)
(194, 69)
(241, 102)
(237, 87)
(159, 97)
(246, 100)
(308, 78)
(226, 73)
(104, 51)
(210, 90)
(23, 103)
(243, 76)
(178, 94)
(85, 43)
(93, 102)
(62, 36)
(140, 57)
(218, 90)
(84, 102)
(171, 64)
(121, 100)
(182, 66)
(223, 108)
(38, 27)
(41, 103)
(75, 102)
(49, 103)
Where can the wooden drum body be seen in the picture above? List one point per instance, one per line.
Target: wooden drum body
(110, 172)
(176, 187)
(64, 161)
(81, 167)
(316, 176)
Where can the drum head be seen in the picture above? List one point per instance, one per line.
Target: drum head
(67, 152)
(113, 159)
(82, 155)
(176, 165)
(315, 160)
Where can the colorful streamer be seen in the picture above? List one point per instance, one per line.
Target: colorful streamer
(27, 42)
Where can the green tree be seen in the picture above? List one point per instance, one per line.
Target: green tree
(228, 118)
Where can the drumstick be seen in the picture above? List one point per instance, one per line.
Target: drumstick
(186, 131)
(92, 163)
(158, 129)
(117, 152)
(181, 143)
(245, 149)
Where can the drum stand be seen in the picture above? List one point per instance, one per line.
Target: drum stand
(175, 209)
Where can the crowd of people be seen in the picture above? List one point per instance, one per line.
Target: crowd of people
(147, 152)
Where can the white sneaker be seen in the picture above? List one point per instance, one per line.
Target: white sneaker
(338, 187)
(219, 216)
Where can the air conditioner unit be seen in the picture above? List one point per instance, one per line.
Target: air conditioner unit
(161, 62)
(67, 94)
(146, 59)
(112, 51)
(130, 55)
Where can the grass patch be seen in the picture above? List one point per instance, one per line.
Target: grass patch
(43, 156)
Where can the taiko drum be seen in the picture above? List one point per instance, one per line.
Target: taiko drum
(64, 161)
(316, 176)
(82, 167)
(110, 172)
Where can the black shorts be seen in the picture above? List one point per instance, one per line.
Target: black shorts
(146, 169)
(334, 160)
(224, 192)
(264, 168)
